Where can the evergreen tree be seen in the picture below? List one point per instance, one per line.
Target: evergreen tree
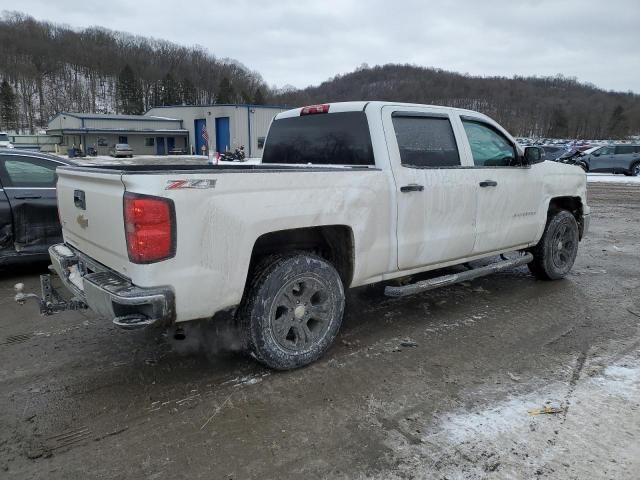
(8, 107)
(170, 91)
(618, 123)
(226, 93)
(559, 127)
(188, 92)
(258, 97)
(129, 93)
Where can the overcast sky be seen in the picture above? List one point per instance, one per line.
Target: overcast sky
(301, 43)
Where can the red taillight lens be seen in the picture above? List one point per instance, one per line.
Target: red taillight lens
(149, 224)
(314, 109)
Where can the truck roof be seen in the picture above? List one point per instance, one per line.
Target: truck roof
(337, 107)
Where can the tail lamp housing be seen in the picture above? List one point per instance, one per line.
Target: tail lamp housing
(150, 228)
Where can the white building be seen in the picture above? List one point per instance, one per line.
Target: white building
(227, 126)
(147, 135)
(166, 130)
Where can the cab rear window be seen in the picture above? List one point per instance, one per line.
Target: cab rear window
(323, 139)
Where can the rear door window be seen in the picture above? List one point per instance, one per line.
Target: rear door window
(425, 142)
(624, 149)
(322, 139)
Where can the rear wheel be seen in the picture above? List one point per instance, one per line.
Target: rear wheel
(556, 252)
(292, 311)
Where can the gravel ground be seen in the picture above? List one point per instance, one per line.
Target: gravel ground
(448, 384)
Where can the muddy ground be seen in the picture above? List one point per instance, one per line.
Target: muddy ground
(435, 386)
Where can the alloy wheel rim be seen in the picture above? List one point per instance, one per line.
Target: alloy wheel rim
(562, 246)
(301, 314)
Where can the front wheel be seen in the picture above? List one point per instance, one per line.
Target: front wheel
(292, 311)
(635, 170)
(556, 251)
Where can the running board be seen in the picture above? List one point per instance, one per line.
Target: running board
(444, 280)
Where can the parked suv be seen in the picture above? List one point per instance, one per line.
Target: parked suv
(613, 159)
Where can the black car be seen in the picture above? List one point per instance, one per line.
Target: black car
(29, 221)
(552, 152)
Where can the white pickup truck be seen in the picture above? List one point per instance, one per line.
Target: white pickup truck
(347, 194)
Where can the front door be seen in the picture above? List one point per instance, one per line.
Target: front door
(509, 194)
(436, 198)
(160, 150)
(6, 224)
(223, 135)
(603, 159)
(30, 187)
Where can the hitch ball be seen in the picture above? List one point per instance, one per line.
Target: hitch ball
(18, 287)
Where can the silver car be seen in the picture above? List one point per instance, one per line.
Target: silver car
(613, 159)
(121, 150)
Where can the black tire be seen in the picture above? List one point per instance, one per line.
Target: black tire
(583, 166)
(556, 251)
(634, 170)
(292, 310)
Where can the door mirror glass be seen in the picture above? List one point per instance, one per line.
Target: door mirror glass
(533, 155)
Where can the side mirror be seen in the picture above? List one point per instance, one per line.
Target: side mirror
(533, 155)
(596, 154)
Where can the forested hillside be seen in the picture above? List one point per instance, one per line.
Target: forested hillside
(47, 68)
(545, 107)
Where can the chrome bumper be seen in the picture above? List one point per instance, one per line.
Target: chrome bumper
(109, 294)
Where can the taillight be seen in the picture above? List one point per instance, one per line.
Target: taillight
(149, 224)
(313, 109)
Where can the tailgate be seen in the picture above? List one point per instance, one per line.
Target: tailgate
(91, 213)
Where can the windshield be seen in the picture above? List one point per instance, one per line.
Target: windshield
(322, 139)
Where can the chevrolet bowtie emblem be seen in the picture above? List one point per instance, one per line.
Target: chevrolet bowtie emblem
(82, 221)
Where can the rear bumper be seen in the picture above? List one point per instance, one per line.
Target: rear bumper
(109, 294)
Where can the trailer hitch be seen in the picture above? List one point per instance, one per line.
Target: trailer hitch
(49, 300)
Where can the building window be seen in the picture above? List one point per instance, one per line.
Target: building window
(148, 142)
(122, 139)
(261, 142)
(102, 142)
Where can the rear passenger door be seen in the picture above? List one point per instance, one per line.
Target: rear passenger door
(29, 185)
(436, 195)
(624, 157)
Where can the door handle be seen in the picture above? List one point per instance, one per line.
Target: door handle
(411, 188)
(489, 183)
(27, 196)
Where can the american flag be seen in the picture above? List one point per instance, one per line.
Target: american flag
(205, 134)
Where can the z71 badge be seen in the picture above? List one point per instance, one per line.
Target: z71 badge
(195, 183)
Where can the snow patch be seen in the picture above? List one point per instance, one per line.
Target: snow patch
(609, 178)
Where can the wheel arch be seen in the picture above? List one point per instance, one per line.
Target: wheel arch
(571, 204)
(334, 243)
